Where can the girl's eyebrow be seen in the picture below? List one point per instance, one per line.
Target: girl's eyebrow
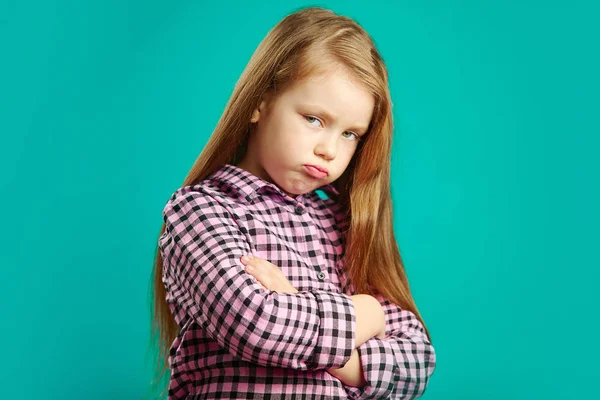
(330, 117)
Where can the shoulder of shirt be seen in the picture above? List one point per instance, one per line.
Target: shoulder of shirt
(200, 194)
(216, 185)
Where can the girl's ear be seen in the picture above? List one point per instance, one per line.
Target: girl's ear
(261, 108)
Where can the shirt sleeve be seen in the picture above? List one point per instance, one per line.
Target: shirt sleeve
(400, 365)
(201, 248)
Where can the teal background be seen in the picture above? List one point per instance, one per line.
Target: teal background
(105, 106)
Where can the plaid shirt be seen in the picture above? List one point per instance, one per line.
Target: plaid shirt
(240, 341)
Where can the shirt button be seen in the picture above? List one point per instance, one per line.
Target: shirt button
(321, 276)
(299, 210)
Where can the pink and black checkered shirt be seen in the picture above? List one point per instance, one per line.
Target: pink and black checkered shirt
(240, 341)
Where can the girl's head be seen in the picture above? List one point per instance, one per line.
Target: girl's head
(317, 121)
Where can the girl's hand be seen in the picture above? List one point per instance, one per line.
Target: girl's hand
(267, 274)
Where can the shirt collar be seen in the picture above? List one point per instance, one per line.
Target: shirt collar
(249, 185)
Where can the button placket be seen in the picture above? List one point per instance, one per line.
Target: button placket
(316, 249)
(313, 246)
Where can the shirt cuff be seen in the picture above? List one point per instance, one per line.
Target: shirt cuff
(379, 368)
(337, 325)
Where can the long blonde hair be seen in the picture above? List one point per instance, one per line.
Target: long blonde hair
(294, 49)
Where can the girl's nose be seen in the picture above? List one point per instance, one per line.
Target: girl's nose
(327, 147)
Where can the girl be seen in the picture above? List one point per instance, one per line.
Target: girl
(297, 175)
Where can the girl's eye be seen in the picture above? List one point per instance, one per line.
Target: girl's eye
(356, 136)
(308, 117)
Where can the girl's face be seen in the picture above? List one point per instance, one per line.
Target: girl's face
(316, 122)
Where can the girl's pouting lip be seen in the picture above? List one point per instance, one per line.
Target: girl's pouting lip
(315, 172)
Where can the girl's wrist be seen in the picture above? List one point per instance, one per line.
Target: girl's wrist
(351, 373)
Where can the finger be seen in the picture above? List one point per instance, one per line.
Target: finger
(257, 265)
(253, 267)
(269, 275)
(250, 262)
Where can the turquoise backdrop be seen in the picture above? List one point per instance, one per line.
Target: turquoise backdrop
(105, 105)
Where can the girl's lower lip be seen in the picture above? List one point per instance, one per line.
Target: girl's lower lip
(315, 172)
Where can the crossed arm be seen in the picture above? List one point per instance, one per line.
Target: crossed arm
(370, 317)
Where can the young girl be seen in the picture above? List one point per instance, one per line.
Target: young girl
(297, 175)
